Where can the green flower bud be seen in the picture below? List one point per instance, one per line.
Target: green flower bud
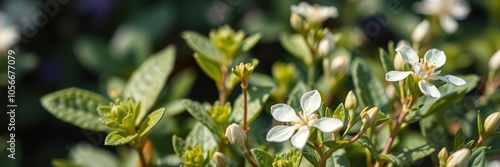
(491, 124)
(227, 40)
(459, 158)
(278, 162)
(220, 113)
(219, 159)
(369, 118)
(284, 73)
(443, 156)
(193, 157)
(243, 70)
(235, 135)
(351, 102)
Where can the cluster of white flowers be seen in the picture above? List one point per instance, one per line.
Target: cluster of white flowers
(447, 10)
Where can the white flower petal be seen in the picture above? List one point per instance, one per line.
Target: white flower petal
(424, 8)
(310, 102)
(300, 138)
(428, 89)
(280, 133)
(435, 56)
(420, 31)
(329, 124)
(494, 62)
(420, 71)
(448, 24)
(393, 76)
(284, 113)
(460, 10)
(454, 80)
(408, 54)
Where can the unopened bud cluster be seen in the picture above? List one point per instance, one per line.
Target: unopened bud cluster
(220, 113)
(369, 118)
(121, 114)
(193, 157)
(227, 40)
(243, 70)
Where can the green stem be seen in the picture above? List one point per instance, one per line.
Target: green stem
(222, 85)
(248, 155)
(244, 86)
(310, 74)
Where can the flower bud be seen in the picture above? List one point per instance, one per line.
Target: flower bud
(220, 113)
(296, 22)
(326, 45)
(339, 64)
(443, 156)
(235, 134)
(219, 159)
(494, 63)
(399, 63)
(420, 31)
(459, 158)
(369, 118)
(243, 70)
(491, 124)
(350, 101)
(193, 157)
(278, 162)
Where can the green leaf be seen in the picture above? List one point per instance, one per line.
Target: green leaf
(310, 155)
(409, 155)
(478, 157)
(119, 137)
(296, 45)
(393, 159)
(366, 142)
(199, 113)
(150, 121)
(338, 159)
(387, 62)
(459, 140)
(201, 135)
(211, 68)
(179, 86)
(250, 42)
(337, 144)
(76, 106)
(93, 53)
(179, 145)
(202, 45)
(147, 81)
(295, 95)
(262, 157)
(450, 94)
(339, 112)
(257, 96)
(480, 125)
(369, 89)
(84, 154)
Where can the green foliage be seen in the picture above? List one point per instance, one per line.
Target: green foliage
(337, 144)
(369, 89)
(297, 46)
(262, 157)
(200, 113)
(202, 45)
(76, 106)
(257, 96)
(147, 81)
(478, 157)
(119, 137)
(150, 122)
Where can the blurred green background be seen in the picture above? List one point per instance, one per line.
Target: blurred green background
(80, 42)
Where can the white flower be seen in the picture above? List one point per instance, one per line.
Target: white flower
(447, 10)
(315, 14)
(494, 62)
(424, 70)
(326, 45)
(302, 123)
